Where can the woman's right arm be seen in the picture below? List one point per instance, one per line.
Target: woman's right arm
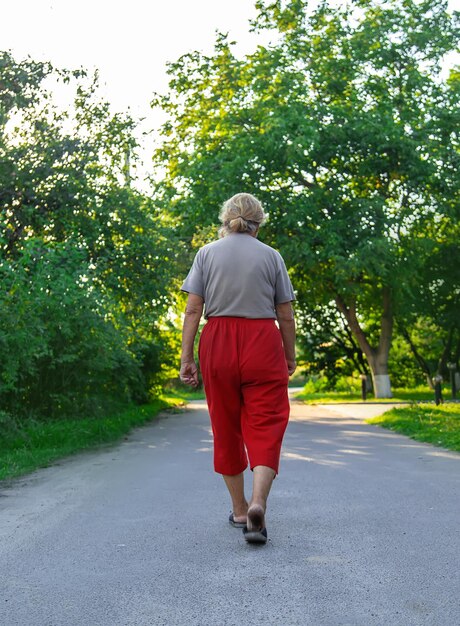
(285, 317)
(193, 313)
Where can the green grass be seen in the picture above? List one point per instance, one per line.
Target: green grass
(439, 425)
(185, 393)
(40, 443)
(420, 394)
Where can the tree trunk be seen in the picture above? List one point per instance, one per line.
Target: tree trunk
(380, 376)
(376, 357)
(442, 363)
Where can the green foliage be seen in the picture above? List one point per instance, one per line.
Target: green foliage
(86, 261)
(347, 131)
(65, 356)
(405, 372)
(429, 321)
(341, 385)
(326, 346)
(316, 385)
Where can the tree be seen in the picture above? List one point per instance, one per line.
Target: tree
(341, 126)
(85, 260)
(430, 321)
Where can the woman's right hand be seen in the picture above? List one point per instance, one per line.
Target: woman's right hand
(189, 373)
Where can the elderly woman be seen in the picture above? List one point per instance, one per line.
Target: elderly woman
(245, 358)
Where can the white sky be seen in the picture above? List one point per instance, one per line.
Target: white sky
(129, 42)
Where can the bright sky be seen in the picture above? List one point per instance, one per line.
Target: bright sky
(129, 42)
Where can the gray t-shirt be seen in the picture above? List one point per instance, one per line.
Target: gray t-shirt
(239, 276)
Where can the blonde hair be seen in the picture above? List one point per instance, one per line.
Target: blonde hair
(242, 213)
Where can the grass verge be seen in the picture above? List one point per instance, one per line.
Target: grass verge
(38, 444)
(185, 393)
(439, 425)
(399, 395)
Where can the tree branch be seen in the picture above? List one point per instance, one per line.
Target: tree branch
(350, 315)
(445, 353)
(418, 357)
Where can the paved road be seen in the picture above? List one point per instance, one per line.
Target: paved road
(364, 530)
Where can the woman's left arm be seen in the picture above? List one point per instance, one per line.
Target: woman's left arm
(193, 313)
(285, 317)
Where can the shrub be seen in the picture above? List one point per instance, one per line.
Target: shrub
(65, 354)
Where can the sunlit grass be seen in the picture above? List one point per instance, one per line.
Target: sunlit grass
(419, 394)
(40, 443)
(185, 393)
(439, 425)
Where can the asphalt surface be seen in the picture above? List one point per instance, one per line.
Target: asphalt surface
(364, 529)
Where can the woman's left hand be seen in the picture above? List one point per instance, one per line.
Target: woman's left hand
(189, 373)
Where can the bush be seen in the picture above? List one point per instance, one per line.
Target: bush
(86, 261)
(8, 425)
(348, 384)
(65, 355)
(342, 384)
(317, 384)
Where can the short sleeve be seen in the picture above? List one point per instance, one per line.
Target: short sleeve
(283, 287)
(194, 282)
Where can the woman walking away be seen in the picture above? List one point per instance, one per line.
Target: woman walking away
(245, 359)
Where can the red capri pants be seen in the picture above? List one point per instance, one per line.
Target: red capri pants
(245, 378)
